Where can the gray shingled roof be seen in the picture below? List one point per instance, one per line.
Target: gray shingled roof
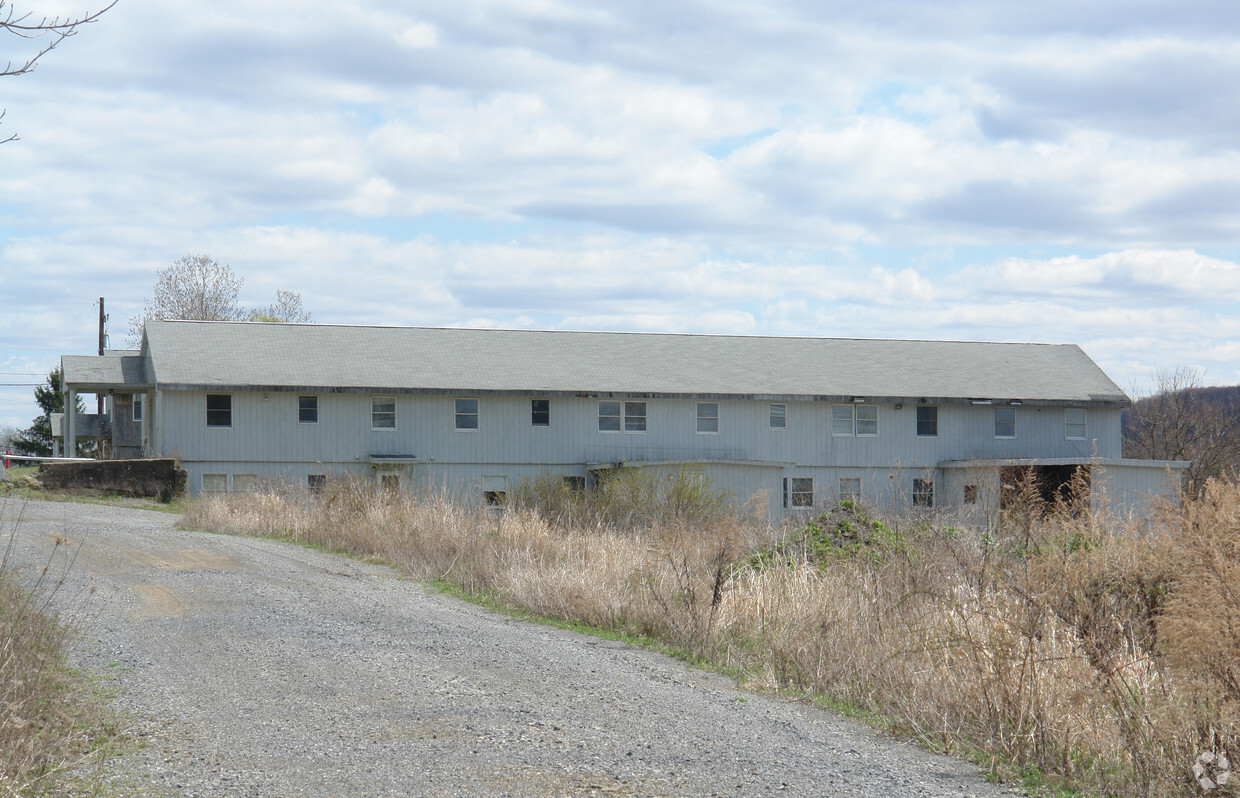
(117, 367)
(197, 355)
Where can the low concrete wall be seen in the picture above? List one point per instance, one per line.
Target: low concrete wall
(150, 478)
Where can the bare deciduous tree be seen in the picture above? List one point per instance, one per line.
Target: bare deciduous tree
(1177, 421)
(286, 308)
(200, 287)
(50, 31)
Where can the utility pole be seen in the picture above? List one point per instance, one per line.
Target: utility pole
(103, 338)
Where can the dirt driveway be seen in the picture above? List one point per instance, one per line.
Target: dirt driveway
(254, 668)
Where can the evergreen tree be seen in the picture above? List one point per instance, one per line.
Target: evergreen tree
(37, 441)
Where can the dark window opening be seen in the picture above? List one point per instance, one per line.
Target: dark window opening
(923, 492)
(802, 492)
(970, 494)
(316, 482)
(540, 412)
(1046, 486)
(219, 410)
(927, 421)
(575, 484)
(307, 409)
(493, 498)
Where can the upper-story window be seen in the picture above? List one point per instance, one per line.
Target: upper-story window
(383, 412)
(927, 421)
(137, 406)
(219, 410)
(467, 414)
(707, 417)
(614, 416)
(1074, 423)
(779, 415)
(1005, 422)
(855, 419)
(307, 410)
(540, 412)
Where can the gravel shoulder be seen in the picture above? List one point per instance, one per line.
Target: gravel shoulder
(256, 668)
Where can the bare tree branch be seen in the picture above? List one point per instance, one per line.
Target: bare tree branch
(53, 29)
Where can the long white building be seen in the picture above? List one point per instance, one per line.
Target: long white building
(795, 422)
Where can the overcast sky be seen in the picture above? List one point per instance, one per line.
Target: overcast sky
(974, 170)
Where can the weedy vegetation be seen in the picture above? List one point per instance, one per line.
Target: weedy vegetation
(1064, 648)
(54, 731)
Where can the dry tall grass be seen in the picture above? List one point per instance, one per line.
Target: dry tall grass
(51, 728)
(1071, 648)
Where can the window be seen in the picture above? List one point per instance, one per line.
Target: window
(390, 482)
(779, 416)
(316, 482)
(850, 420)
(802, 493)
(219, 410)
(927, 421)
(540, 412)
(611, 420)
(493, 498)
(307, 410)
(970, 494)
(1005, 422)
(137, 406)
(466, 414)
(634, 416)
(850, 489)
(608, 416)
(867, 419)
(1074, 423)
(383, 412)
(214, 484)
(575, 484)
(707, 417)
(923, 492)
(244, 483)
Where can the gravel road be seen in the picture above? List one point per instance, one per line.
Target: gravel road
(255, 668)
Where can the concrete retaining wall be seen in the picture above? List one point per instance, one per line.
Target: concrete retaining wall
(149, 478)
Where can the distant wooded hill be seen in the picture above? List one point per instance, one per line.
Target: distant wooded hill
(1187, 421)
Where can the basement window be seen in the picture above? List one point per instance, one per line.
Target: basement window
(214, 484)
(923, 492)
(802, 491)
(316, 482)
(219, 410)
(493, 498)
(850, 489)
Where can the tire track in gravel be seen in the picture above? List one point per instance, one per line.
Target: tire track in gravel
(255, 668)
